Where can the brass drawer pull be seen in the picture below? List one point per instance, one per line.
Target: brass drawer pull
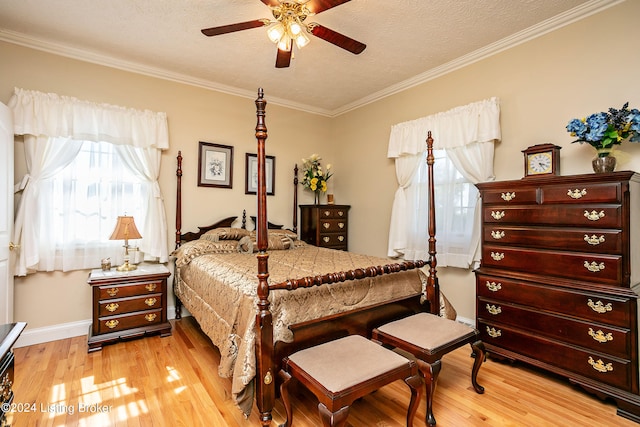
(594, 267)
(150, 317)
(593, 215)
(112, 306)
(326, 225)
(326, 239)
(600, 366)
(112, 292)
(497, 234)
(327, 213)
(599, 307)
(111, 323)
(493, 332)
(150, 301)
(577, 194)
(492, 309)
(593, 240)
(497, 256)
(341, 238)
(507, 197)
(497, 214)
(151, 287)
(600, 336)
(493, 286)
(340, 213)
(341, 224)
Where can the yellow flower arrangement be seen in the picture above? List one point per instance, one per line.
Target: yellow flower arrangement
(314, 177)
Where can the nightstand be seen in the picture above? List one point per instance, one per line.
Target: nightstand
(128, 304)
(325, 225)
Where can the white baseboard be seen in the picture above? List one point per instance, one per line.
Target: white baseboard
(469, 322)
(68, 330)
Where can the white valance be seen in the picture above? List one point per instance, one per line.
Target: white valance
(38, 113)
(476, 122)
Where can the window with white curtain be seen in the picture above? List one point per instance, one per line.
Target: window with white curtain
(87, 197)
(455, 202)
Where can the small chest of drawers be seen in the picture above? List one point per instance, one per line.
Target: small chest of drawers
(325, 225)
(128, 304)
(9, 334)
(558, 282)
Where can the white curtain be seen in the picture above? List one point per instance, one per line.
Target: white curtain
(54, 128)
(467, 133)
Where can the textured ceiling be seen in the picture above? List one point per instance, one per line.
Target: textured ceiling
(408, 41)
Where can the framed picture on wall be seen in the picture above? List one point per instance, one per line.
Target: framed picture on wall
(215, 165)
(251, 178)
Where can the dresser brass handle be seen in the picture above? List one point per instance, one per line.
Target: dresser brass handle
(150, 317)
(326, 225)
(150, 301)
(112, 306)
(112, 292)
(577, 194)
(151, 287)
(599, 307)
(327, 213)
(340, 213)
(111, 323)
(497, 256)
(492, 309)
(594, 267)
(493, 286)
(600, 336)
(341, 224)
(326, 239)
(600, 366)
(593, 240)
(341, 238)
(497, 214)
(493, 332)
(497, 234)
(593, 215)
(507, 197)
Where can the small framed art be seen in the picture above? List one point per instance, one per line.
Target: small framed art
(251, 178)
(215, 165)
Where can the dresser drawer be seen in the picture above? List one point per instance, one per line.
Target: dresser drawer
(591, 216)
(508, 195)
(598, 268)
(600, 308)
(590, 335)
(591, 364)
(129, 321)
(576, 193)
(128, 305)
(333, 225)
(328, 240)
(130, 289)
(580, 239)
(338, 213)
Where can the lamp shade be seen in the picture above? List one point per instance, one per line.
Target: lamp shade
(125, 229)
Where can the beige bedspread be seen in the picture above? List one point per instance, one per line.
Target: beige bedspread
(219, 290)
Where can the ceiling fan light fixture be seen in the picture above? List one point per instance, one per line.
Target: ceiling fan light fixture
(285, 43)
(302, 40)
(276, 32)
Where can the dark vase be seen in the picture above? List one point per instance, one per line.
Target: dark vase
(604, 162)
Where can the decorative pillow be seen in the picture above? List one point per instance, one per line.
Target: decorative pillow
(287, 233)
(275, 242)
(190, 250)
(225, 233)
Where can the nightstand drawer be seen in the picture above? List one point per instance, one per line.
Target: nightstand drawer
(333, 212)
(333, 240)
(130, 289)
(129, 321)
(333, 225)
(128, 305)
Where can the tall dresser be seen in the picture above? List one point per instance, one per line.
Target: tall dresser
(325, 225)
(558, 282)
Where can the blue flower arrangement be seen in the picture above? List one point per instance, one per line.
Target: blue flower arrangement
(604, 130)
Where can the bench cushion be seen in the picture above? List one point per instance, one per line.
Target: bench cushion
(346, 362)
(427, 331)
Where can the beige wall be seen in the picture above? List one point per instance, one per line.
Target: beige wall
(582, 68)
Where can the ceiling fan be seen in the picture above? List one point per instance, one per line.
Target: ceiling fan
(289, 27)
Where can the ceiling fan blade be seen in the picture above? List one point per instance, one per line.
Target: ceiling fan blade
(270, 2)
(317, 6)
(337, 39)
(283, 59)
(216, 31)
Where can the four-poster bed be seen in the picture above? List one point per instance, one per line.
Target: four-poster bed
(298, 296)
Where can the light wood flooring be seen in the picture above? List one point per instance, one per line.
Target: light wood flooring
(173, 381)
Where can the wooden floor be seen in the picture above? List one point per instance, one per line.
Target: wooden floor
(173, 381)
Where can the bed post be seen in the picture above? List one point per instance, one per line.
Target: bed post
(295, 198)
(264, 382)
(179, 199)
(433, 288)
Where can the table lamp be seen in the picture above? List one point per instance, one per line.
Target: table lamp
(125, 230)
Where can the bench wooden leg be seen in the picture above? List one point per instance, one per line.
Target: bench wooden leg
(415, 383)
(479, 354)
(286, 398)
(333, 419)
(430, 373)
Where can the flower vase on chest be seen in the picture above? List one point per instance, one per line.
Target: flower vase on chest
(315, 177)
(604, 161)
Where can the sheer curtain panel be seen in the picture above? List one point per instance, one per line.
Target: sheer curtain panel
(55, 128)
(466, 134)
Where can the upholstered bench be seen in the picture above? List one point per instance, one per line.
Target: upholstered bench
(341, 371)
(429, 337)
